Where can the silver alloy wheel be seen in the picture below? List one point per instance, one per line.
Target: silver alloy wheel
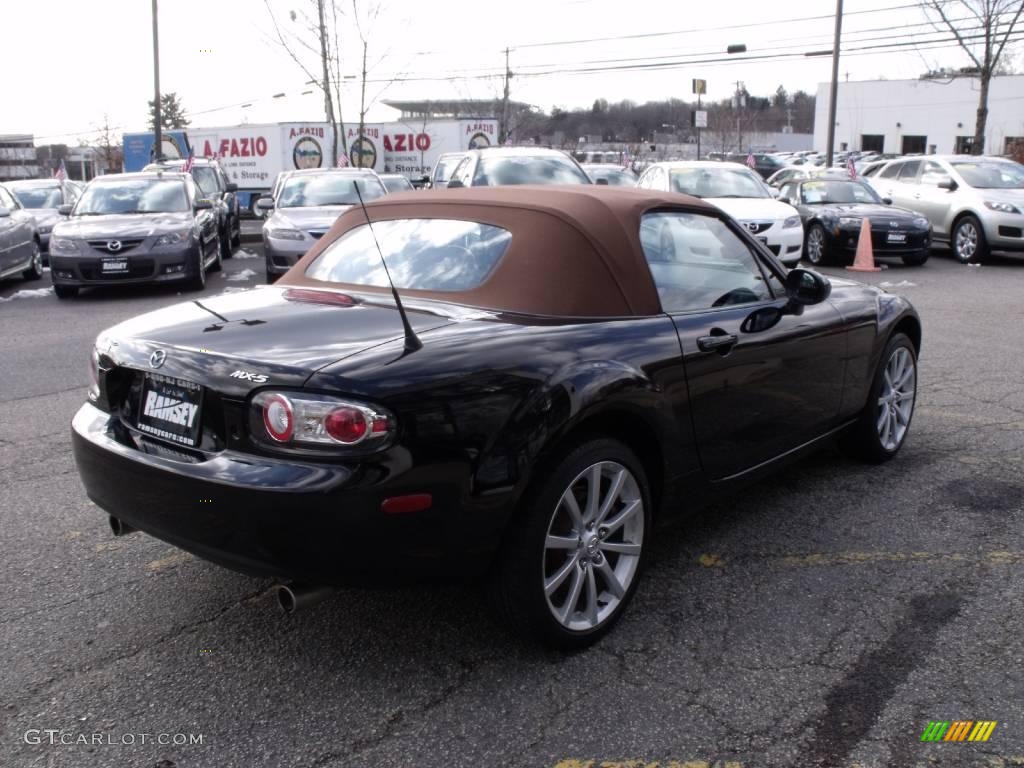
(896, 400)
(966, 240)
(37, 259)
(593, 544)
(815, 245)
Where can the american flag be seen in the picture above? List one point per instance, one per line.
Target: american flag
(60, 173)
(751, 163)
(343, 161)
(851, 168)
(187, 167)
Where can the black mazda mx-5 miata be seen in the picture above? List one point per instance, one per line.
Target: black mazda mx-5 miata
(574, 364)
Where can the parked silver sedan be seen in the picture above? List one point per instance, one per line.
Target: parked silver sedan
(42, 198)
(975, 203)
(306, 205)
(20, 249)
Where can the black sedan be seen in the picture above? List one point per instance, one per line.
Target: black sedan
(833, 212)
(567, 367)
(135, 228)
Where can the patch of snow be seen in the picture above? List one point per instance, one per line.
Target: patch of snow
(244, 274)
(241, 253)
(900, 284)
(35, 293)
(234, 289)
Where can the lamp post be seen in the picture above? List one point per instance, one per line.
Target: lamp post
(158, 140)
(739, 99)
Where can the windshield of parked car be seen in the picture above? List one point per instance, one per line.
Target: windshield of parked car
(133, 196)
(329, 188)
(397, 184)
(38, 197)
(206, 179)
(990, 175)
(824, 192)
(616, 177)
(421, 254)
(717, 182)
(527, 169)
(445, 166)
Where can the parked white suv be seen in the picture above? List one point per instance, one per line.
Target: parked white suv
(975, 203)
(739, 192)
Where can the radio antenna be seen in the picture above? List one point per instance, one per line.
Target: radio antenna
(412, 342)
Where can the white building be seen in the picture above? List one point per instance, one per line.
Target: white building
(921, 116)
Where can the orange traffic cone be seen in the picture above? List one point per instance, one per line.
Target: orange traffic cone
(864, 260)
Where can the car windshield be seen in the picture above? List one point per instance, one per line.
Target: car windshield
(616, 177)
(328, 189)
(38, 197)
(717, 182)
(421, 254)
(824, 192)
(397, 184)
(992, 175)
(133, 196)
(206, 179)
(527, 169)
(445, 166)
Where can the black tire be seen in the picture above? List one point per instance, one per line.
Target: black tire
(271, 277)
(198, 280)
(65, 291)
(862, 439)
(973, 248)
(218, 262)
(916, 260)
(223, 244)
(236, 236)
(35, 267)
(816, 256)
(518, 585)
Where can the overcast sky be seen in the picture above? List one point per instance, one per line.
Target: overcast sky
(71, 62)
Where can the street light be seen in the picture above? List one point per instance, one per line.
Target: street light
(157, 138)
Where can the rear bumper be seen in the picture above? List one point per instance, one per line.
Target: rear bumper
(319, 523)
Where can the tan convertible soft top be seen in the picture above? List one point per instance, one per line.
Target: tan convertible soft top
(575, 251)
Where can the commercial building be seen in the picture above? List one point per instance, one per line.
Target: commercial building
(923, 116)
(18, 157)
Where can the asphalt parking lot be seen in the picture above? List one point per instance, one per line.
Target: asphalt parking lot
(822, 618)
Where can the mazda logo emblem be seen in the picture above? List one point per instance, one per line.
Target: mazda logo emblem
(752, 226)
(894, 224)
(114, 246)
(157, 358)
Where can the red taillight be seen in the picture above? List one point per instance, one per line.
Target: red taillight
(278, 419)
(346, 425)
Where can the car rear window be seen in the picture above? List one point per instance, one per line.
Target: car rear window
(421, 254)
(526, 169)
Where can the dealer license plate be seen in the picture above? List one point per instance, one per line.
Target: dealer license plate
(115, 265)
(170, 409)
(897, 237)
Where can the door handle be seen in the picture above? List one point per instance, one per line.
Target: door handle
(718, 341)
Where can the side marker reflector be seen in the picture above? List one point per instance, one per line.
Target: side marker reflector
(400, 505)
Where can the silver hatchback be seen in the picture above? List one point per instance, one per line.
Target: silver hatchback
(974, 203)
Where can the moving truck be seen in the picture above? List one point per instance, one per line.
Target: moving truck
(253, 155)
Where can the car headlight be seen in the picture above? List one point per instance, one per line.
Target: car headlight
(792, 221)
(849, 222)
(63, 245)
(173, 238)
(1001, 207)
(285, 234)
(922, 222)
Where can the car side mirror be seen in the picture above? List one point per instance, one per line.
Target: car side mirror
(65, 209)
(603, 182)
(948, 184)
(887, 200)
(265, 203)
(232, 187)
(455, 184)
(203, 205)
(4, 212)
(804, 287)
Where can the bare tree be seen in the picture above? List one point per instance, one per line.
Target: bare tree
(108, 146)
(983, 42)
(312, 25)
(364, 23)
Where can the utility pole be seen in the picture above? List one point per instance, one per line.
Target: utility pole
(158, 140)
(328, 102)
(503, 134)
(698, 129)
(835, 86)
(739, 100)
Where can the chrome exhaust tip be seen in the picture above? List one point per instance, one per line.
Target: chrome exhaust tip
(296, 597)
(119, 527)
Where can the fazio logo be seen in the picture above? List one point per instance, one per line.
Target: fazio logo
(256, 378)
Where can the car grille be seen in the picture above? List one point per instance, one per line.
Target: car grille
(316, 235)
(92, 270)
(756, 227)
(104, 245)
